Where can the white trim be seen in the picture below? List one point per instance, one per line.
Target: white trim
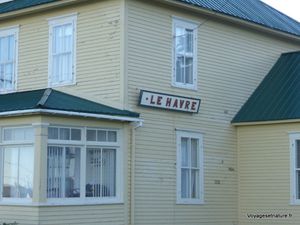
(70, 113)
(190, 25)
(199, 136)
(293, 192)
(12, 30)
(57, 21)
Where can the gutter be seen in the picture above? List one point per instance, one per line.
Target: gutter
(69, 113)
(231, 19)
(135, 126)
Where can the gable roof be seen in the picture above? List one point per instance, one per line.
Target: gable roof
(254, 11)
(278, 95)
(52, 101)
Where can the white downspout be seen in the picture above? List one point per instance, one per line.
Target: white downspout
(135, 125)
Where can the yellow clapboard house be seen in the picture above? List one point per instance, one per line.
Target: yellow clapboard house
(135, 112)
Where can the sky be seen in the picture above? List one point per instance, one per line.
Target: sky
(288, 7)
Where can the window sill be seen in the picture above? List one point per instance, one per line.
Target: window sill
(63, 202)
(50, 85)
(183, 86)
(190, 202)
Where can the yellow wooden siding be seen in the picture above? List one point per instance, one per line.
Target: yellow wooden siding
(20, 214)
(264, 173)
(231, 63)
(98, 50)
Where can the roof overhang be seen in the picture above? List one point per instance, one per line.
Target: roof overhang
(68, 113)
(231, 19)
(38, 8)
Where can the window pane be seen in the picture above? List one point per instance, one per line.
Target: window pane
(112, 136)
(91, 135)
(180, 40)
(72, 172)
(195, 192)
(185, 183)
(189, 41)
(184, 152)
(53, 133)
(18, 172)
(10, 173)
(64, 134)
(189, 70)
(75, 134)
(180, 69)
(298, 153)
(54, 172)
(101, 135)
(194, 150)
(19, 134)
(26, 162)
(93, 172)
(109, 172)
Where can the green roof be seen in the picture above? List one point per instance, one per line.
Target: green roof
(55, 100)
(254, 11)
(278, 95)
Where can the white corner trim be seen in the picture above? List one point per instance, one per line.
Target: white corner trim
(70, 113)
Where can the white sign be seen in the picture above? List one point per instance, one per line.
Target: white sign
(170, 102)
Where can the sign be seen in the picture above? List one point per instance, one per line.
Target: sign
(169, 102)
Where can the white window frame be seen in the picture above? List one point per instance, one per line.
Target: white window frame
(188, 25)
(84, 144)
(6, 32)
(199, 136)
(293, 161)
(58, 21)
(4, 144)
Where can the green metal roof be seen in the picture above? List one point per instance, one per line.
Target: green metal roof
(55, 100)
(253, 11)
(278, 95)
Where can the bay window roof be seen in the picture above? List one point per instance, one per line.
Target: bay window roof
(50, 101)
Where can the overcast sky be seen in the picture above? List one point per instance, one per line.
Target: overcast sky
(288, 7)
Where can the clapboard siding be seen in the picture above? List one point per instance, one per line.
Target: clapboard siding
(264, 173)
(98, 50)
(232, 61)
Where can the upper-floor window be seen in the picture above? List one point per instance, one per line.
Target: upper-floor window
(189, 168)
(62, 48)
(184, 54)
(8, 59)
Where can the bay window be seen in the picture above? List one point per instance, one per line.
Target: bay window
(189, 168)
(184, 54)
(17, 160)
(83, 164)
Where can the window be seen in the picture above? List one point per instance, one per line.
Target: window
(184, 54)
(295, 168)
(189, 168)
(62, 47)
(17, 160)
(83, 164)
(8, 59)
